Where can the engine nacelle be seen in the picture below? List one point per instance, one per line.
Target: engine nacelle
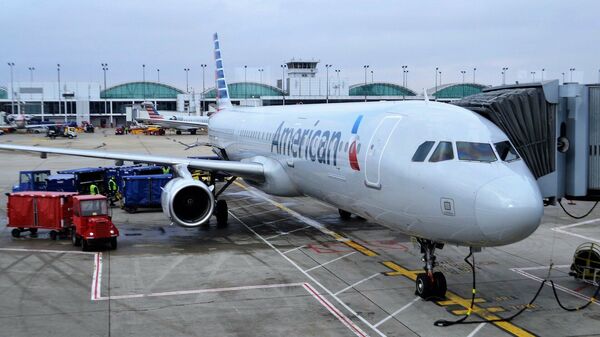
(187, 202)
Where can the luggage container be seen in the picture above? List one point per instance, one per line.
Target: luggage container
(84, 177)
(143, 191)
(32, 181)
(30, 211)
(61, 183)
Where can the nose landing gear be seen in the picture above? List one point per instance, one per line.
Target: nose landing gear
(430, 285)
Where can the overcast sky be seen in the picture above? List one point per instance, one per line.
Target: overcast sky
(456, 35)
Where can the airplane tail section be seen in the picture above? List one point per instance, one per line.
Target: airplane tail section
(222, 90)
(151, 110)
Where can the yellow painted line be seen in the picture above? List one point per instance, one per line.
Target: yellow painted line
(336, 236)
(448, 303)
(491, 309)
(484, 313)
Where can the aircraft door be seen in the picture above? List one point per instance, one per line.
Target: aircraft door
(376, 148)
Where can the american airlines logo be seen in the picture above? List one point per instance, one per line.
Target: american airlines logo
(313, 144)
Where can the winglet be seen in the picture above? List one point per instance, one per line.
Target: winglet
(222, 90)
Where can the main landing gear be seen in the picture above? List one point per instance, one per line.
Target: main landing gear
(430, 285)
(221, 210)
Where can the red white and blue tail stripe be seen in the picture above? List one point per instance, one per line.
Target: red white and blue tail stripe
(152, 112)
(222, 90)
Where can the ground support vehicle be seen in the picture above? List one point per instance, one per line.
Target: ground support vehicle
(30, 211)
(92, 223)
(31, 181)
(61, 183)
(154, 131)
(61, 131)
(84, 177)
(143, 191)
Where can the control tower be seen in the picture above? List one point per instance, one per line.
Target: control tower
(302, 79)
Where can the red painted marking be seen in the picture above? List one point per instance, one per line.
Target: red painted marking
(353, 157)
(581, 288)
(333, 309)
(329, 248)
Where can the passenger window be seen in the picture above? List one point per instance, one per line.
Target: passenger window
(475, 152)
(506, 151)
(442, 152)
(422, 151)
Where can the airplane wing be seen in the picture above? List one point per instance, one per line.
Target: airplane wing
(236, 168)
(174, 124)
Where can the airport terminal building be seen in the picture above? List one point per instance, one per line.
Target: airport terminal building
(89, 101)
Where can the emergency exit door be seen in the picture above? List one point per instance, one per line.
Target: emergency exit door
(376, 149)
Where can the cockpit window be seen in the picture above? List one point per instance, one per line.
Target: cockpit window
(442, 152)
(422, 151)
(475, 152)
(506, 151)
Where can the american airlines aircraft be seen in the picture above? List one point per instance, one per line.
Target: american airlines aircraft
(179, 123)
(435, 171)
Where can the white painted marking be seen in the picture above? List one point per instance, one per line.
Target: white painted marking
(293, 249)
(247, 205)
(326, 263)
(561, 229)
(479, 327)
(97, 277)
(522, 272)
(314, 280)
(46, 251)
(334, 311)
(397, 311)
(202, 291)
(274, 221)
(286, 233)
(357, 283)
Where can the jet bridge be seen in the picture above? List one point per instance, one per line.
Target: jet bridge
(555, 128)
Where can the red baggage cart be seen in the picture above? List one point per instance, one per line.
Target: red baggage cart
(30, 211)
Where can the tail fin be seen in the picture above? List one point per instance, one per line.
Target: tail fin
(151, 110)
(222, 90)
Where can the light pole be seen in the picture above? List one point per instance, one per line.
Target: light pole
(504, 69)
(203, 89)
(283, 66)
(187, 84)
(12, 89)
(260, 72)
(372, 81)
(571, 70)
(563, 77)
(463, 72)
(31, 69)
(404, 75)
(474, 70)
(245, 83)
(533, 76)
(157, 75)
(436, 81)
(543, 70)
(327, 66)
(337, 71)
(59, 108)
(440, 78)
(365, 87)
(144, 79)
(104, 69)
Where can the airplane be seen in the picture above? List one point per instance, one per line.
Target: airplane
(21, 122)
(438, 172)
(179, 123)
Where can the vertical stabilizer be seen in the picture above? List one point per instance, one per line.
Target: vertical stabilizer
(222, 90)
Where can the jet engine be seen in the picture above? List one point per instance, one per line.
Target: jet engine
(187, 202)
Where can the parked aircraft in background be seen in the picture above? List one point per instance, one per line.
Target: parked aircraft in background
(435, 171)
(149, 114)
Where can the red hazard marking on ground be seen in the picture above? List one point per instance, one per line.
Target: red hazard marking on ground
(578, 289)
(340, 247)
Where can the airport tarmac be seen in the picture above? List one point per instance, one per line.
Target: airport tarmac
(283, 267)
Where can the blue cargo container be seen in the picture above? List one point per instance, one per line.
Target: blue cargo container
(31, 181)
(143, 191)
(61, 183)
(117, 173)
(84, 177)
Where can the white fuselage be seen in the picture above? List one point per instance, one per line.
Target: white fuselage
(364, 165)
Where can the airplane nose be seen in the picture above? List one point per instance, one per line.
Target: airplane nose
(508, 209)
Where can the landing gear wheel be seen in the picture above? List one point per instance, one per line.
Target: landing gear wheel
(177, 132)
(75, 239)
(15, 233)
(221, 213)
(423, 286)
(193, 132)
(439, 281)
(113, 243)
(53, 235)
(345, 215)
